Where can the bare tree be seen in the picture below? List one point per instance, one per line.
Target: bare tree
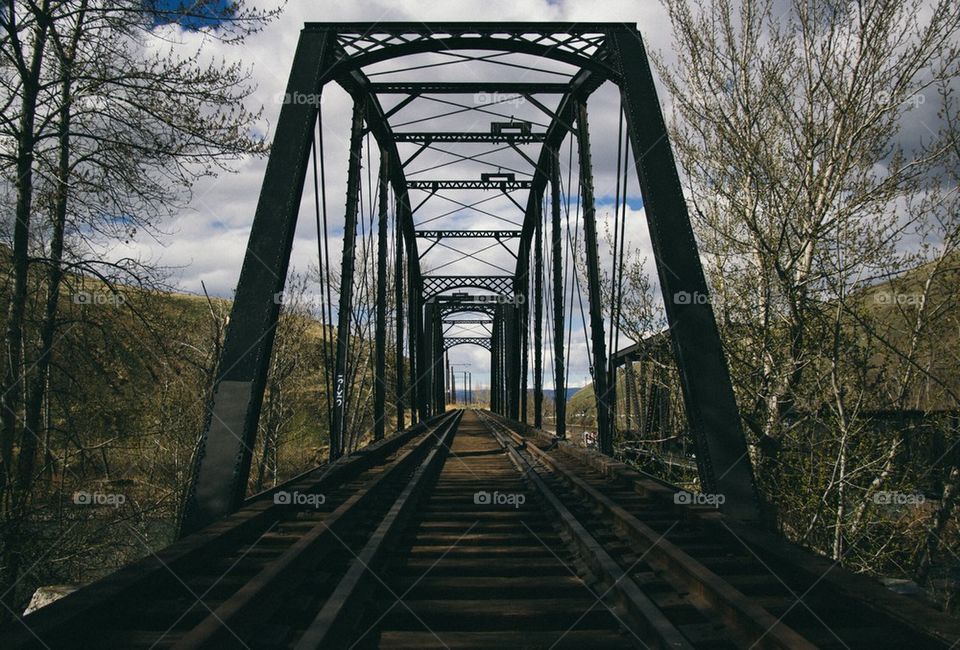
(815, 171)
(103, 139)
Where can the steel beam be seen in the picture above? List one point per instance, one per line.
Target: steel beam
(413, 343)
(600, 376)
(439, 29)
(359, 49)
(424, 354)
(722, 456)
(521, 337)
(223, 456)
(495, 363)
(380, 327)
(506, 380)
(499, 284)
(453, 341)
(581, 86)
(538, 323)
(429, 362)
(501, 362)
(442, 354)
(345, 305)
(466, 88)
(559, 329)
(453, 383)
(358, 85)
(456, 304)
(400, 395)
(470, 184)
(524, 340)
(468, 234)
(471, 137)
(513, 359)
(439, 385)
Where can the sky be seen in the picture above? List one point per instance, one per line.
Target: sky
(206, 241)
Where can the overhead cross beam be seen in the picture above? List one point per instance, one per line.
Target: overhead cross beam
(471, 137)
(468, 87)
(470, 184)
(450, 305)
(498, 284)
(577, 44)
(453, 341)
(464, 234)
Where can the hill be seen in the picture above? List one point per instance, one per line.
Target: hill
(889, 309)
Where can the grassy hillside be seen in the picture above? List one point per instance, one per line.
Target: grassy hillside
(126, 399)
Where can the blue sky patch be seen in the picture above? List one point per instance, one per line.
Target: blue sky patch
(633, 202)
(190, 14)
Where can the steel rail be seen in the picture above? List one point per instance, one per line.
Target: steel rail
(58, 622)
(287, 570)
(656, 625)
(328, 621)
(762, 629)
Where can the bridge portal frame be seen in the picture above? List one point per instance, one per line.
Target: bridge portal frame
(337, 52)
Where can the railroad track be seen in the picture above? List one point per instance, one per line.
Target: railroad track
(236, 582)
(758, 589)
(465, 533)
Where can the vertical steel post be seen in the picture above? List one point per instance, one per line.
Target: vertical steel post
(345, 305)
(414, 349)
(501, 370)
(521, 302)
(424, 363)
(439, 393)
(522, 334)
(504, 367)
(593, 282)
(413, 317)
(722, 457)
(219, 480)
(538, 321)
(380, 327)
(559, 329)
(428, 379)
(512, 359)
(495, 363)
(398, 307)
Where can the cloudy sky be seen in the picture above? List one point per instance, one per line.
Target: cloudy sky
(207, 241)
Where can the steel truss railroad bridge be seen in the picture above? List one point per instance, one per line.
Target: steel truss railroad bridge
(588, 56)
(474, 529)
